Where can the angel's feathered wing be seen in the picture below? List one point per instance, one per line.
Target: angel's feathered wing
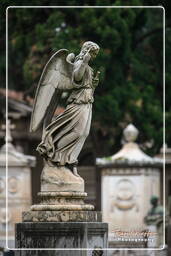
(56, 78)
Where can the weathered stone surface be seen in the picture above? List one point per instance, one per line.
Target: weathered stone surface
(61, 236)
(60, 179)
(69, 207)
(63, 194)
(61, 198)
(62, 201)
(64, 216)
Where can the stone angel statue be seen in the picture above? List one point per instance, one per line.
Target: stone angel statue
(64, 136)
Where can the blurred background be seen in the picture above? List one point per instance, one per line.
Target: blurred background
(131, 88)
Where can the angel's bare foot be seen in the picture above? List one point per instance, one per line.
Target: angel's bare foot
(74, 170)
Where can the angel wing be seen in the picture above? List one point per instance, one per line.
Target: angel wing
(56, 78)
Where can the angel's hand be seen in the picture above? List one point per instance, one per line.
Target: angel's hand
(86, 58)
(96, 79)
(95, 82)
(97, 75)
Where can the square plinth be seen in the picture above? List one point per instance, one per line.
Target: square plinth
(62, 235)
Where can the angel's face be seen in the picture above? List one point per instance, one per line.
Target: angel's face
(93, 53)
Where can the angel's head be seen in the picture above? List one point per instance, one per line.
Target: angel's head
(90, 47)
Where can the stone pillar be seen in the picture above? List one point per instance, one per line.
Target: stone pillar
(128, 180)
(61, 219)
(19, 178)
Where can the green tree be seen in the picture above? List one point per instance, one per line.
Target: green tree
(130, 61)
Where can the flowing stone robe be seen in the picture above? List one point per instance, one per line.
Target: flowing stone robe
(65, 136)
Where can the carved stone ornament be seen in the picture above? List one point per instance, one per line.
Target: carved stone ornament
(125, 195)
(12, 184)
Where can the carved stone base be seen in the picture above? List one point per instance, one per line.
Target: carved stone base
(59, 198)
(61, 216)
(61, 219)
(41, 207)
(62, 201)
(60, 178)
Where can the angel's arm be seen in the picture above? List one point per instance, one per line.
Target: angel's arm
(79, 70)
(80, 66)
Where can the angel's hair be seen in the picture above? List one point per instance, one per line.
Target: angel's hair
(85, 48)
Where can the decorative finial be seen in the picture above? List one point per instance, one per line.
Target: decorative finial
(8, 127)
(130, 133)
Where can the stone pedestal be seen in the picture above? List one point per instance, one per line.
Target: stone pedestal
(61, 219)
(62, 235)
(62, 201)
(62, 216)
(60, 179)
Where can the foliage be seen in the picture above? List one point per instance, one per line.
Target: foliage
(130, 61)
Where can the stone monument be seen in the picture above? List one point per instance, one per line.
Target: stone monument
(128, 180)
(62, 220)
(19, 177)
